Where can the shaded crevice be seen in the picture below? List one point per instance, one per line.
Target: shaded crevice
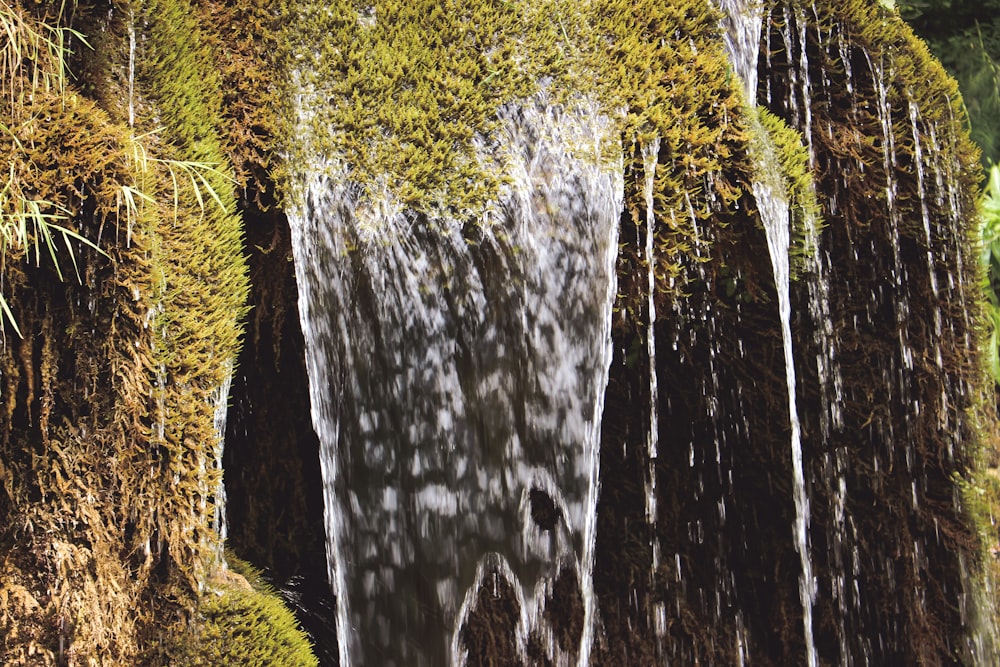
(274, 500)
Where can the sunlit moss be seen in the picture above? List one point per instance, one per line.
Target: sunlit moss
(198, 303)
(400, 91)
(61, 444)
(406, 95)
(107, 450)
(784, 147)
(242, 622)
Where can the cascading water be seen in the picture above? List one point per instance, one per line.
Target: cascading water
(774, 214)
(650, 154)
(888, 336)
(743, 25)
(458, 370)
(221, 406)
(457, 376)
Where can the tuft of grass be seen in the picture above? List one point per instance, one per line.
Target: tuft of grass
(33, 56)
(27, 228)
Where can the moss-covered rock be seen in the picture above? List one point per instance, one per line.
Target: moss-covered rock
(405, 96)
(108, 449)
(108, 468)
(242, 622)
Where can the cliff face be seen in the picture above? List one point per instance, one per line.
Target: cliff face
(887, 398)
(735, 521)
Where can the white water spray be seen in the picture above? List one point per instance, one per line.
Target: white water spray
(457, 380)
(650, 154)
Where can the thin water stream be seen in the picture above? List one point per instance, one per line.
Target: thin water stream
(775, 216)
(743, 24)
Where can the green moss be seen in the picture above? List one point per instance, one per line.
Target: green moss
(247, 45)
(244, 625)
(405, 97)
(399, 91)
(783, 163)
(73, 482)
(108, 447)
(201, 277)
(666, 66)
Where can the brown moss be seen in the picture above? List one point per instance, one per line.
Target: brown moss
(72, 573)
(488, 635)
(247, 46)
(107, 524)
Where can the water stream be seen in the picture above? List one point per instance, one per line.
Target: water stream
(775, 216)
(650, 153)
(743, 24)
(912, 267)
(457, 376)
(219, 519)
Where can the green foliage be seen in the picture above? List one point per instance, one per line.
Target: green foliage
(240, 626)
(990, 262)
(965, 36)
(933, 18)
(973, 64)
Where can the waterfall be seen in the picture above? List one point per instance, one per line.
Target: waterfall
(458, 364)
(774, 214)
(220, 398)
(650, 153)
(457, 375)
(743, 24)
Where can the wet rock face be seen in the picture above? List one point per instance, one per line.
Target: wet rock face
(711, 572)
(489, 635)
(273, 487)
(888, 426)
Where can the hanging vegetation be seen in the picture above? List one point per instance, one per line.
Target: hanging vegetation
(108, 441)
